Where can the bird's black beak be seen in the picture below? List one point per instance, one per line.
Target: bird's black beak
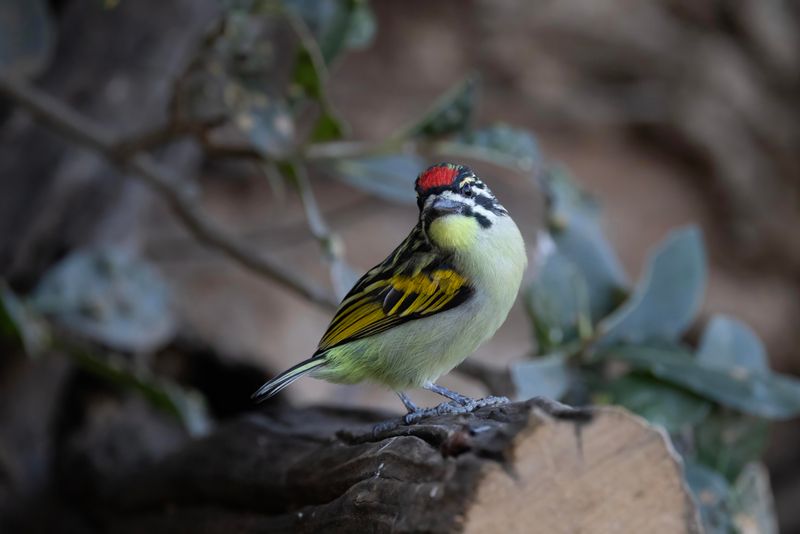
(446, 206)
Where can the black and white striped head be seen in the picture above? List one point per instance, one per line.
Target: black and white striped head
(446, 189)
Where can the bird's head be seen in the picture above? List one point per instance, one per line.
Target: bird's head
(455, 206)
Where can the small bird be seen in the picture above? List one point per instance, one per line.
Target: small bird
(445, 290)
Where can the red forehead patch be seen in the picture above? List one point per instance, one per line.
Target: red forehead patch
(436, 177)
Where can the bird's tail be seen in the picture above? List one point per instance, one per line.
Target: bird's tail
(285, 378)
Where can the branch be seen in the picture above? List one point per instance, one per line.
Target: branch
(180, 198)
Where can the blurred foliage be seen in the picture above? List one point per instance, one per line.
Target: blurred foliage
(715, 400)
(26, 36)
(99, 308)
(257, 88)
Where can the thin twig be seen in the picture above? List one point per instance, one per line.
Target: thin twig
(330, 243)
(178, 196)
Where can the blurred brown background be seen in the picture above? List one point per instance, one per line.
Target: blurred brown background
(669, 112)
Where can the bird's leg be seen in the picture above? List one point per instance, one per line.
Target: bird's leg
(463, 400)
(407, 402)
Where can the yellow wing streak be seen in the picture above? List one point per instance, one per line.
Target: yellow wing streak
(385, 303)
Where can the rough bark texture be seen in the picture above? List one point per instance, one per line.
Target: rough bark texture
(507, 469)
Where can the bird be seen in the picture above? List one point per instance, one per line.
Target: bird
(439, 295)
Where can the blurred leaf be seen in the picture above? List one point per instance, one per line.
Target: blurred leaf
(308, 75)
(19, 323)
(752, 501)
(187, 405)
(545, 376)
(451, 113)
(727, 441)
(390, 177)
(767, 395)
(558, 303)
(337, 25)
(26, 36)
(108, 296)
(310, 78)
(711, 493)
(659, 403)
(566, 201)
(577, 234)
(667, 298)
(501, 143)
(269, 126)
(729, 342)
(328, 128)
(584, 244)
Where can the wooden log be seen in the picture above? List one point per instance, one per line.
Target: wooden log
(505, 469)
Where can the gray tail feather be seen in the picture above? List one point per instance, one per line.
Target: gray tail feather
(286, 378)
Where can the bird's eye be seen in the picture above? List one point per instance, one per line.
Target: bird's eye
(467, 191)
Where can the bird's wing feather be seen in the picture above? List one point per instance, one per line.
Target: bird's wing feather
(410, 284)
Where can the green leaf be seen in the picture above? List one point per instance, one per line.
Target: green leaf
(337, 25)
(545, 376)
(584, 244)
(768, 395)
(566, 202)
(576, 232)
(501, 143)
(452, 112)
(26, 36)
(659, 403)
(558, 303)
(108, 296)
(729, 342)
(310, 79)
(728, 441)
(309, 76)
(328, 128)
(390, 177)
(712, 493)
(20, 324)
(752, 501)
(185, 404)
(667, 299)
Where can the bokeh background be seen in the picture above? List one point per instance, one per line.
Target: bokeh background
(668, 113)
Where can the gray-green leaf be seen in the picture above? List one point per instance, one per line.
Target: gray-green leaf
(502, 144)
(659, 403)
(109, 296)
(727, 441)
(573, 220)
(729, 342)
(667, 299)
(558, 302)
(389, 177)
(764, 394)
(545, 376)
(711, 493)
(451, 113)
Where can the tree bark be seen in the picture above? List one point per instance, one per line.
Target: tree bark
(505, 469)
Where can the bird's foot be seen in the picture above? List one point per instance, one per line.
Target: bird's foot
(446, 408)
(453, 407)
(461, 406)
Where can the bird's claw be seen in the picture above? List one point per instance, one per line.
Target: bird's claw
(453, 408)
(446, 408)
